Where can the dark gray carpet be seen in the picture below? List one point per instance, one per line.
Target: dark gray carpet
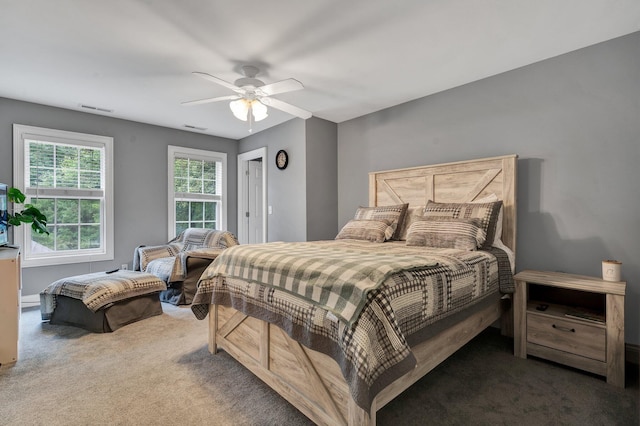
(158, 372)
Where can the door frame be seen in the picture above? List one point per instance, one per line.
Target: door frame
(243, 164)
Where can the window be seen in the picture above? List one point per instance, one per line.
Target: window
(68, 176)
(197, 189)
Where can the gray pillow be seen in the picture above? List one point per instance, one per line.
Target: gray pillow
(461, 234)
(377, 231)
(486, 213)
(393, 214)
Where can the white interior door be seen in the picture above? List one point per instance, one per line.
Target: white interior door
(252, 196)
(254, 182)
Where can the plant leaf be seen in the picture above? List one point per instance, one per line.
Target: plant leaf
(39, 227)
(23, 218)
(15, 195)
(31, 214)
(12, 220)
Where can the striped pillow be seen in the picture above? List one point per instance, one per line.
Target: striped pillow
(376, 231)
(413, 213)
(461, 234)
(393, 214)
(498, 234)
(487, 213)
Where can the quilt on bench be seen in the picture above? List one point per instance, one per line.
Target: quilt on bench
(98, 290)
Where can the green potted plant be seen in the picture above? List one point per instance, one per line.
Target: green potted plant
(30, 213)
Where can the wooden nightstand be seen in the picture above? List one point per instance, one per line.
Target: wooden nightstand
(571, 319)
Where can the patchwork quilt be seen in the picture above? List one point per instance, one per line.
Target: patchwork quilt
(411, 290)
(335, 276)
(98, 290)
(169, 261)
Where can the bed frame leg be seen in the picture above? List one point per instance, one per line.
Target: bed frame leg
(359, 417)
(213, 328)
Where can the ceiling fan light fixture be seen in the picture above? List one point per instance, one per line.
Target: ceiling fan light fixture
(241, 109)
(259, 110)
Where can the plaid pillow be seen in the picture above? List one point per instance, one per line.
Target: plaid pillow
(461, 234)
(393, 214)
(487, 213)
(376, 231)
(413, 213)
(490, 198)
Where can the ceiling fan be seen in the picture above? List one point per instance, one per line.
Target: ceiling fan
(253, 96)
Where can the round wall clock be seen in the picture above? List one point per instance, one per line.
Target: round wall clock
(282, 159)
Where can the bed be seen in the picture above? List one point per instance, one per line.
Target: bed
(361, 357)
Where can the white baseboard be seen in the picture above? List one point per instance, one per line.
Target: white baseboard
(30, 301)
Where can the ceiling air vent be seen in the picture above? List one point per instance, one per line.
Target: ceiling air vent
(189, 126)
(92, 108)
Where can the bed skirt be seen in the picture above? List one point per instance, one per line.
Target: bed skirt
(74, 312)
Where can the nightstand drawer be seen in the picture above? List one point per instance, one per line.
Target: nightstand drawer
(565, 335)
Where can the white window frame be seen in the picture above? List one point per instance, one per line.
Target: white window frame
(196, 154)
(22, 234)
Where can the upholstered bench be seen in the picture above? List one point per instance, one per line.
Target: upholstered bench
(102, 302)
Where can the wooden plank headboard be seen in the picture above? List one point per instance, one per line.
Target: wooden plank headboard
(457, 182)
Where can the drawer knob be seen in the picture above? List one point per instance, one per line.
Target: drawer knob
(567, 329)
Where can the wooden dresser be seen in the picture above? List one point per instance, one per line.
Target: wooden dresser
(10, 287)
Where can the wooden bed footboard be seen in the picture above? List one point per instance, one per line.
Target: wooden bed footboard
(312, 381)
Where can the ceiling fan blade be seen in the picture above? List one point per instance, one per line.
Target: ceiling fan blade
(288, 108)
(219, 81)
(207, 100)
(282, 86)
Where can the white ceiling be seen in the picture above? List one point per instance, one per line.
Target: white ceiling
(354, 57)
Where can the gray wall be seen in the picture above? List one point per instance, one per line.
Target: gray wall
(286, 189)
(140, 178)
(322, 179)
(304, 195)
(574, 121)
